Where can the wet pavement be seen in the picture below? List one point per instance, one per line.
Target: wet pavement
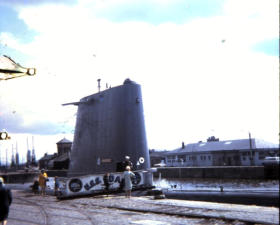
(28, 209)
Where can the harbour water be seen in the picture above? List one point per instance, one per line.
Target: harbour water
(188, 184)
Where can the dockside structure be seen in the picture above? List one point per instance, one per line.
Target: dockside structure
(240, 152)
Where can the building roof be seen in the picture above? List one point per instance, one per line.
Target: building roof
(62, 158)
(63, 141)
(157, 153)
(239, 144)
(48, 157)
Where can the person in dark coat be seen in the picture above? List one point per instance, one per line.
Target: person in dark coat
(56, 185)
(35, 187)
(5, 202)
(106, 182)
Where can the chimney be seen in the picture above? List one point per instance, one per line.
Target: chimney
(250, 140)
(183, 145)
(98, 84)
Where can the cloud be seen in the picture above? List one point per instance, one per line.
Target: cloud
(192, 81)
(15, 121)
(154, 12)
(19, 3)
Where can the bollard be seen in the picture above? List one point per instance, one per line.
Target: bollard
(157, 193)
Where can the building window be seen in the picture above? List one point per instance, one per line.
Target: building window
(261, 155)
(209, 157)
(181, 158)
(236, 157)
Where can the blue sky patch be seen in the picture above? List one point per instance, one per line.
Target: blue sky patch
(17, 56)
(176, 12)
(9, 22)
(269, 47)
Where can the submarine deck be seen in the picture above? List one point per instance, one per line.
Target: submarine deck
(28, 208)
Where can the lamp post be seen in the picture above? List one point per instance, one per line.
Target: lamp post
(251, 151)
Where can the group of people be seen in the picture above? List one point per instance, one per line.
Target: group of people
(6, 195)
(41, 183)
(128, 175)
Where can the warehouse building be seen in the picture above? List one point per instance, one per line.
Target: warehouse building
(213, 152)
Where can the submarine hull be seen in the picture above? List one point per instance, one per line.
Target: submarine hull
(94, 184)
(110, 125)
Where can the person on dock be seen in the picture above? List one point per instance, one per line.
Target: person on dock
(128, 175)
(56, 185)
(35, 187)
(106, 183)
(5, 202)
(43, 178)
(127, 162)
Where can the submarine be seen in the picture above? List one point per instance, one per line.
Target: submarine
(109, 127)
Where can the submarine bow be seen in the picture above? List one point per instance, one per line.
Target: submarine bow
(109, 126)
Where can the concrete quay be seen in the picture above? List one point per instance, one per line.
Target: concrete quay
(28, 209)
(220, 172)
(19, 177)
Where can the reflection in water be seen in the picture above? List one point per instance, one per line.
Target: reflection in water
(214, 184)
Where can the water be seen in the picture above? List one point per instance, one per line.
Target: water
(188, 184)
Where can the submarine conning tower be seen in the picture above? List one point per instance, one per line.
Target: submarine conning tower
(109, 126)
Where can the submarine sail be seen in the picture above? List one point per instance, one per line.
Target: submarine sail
(110, 126)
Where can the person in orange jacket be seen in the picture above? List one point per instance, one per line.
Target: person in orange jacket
(43, 178)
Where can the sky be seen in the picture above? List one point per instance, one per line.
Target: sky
(206, 68)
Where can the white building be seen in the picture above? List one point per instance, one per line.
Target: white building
(241, 152)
